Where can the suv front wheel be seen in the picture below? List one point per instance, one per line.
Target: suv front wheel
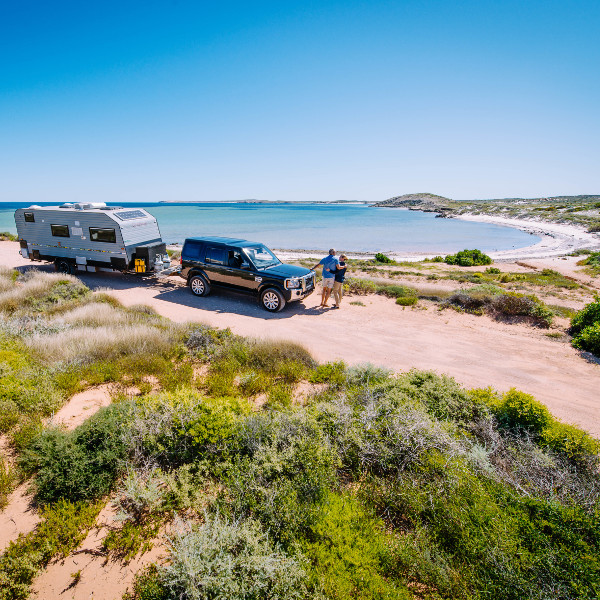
(272, 300)
(199, 285)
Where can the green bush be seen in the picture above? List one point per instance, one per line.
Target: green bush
(361, 287)
(468, 258)
(333, 373)
(348, 551)
(285, 478)
(82, 464)
(594, 226)
(518, 410)
(493, 271)
(205, 342)
(515, 304)
(587, 316)
(382, 258)
(589, 339)
(569, 440)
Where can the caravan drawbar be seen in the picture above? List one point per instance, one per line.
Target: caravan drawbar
(92, 235)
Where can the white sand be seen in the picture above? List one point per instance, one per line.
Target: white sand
(557, 239)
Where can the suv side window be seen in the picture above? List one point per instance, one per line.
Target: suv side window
(216, 256)
(237, 259)
(193, 250)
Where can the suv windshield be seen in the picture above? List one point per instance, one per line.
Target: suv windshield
(261, 256)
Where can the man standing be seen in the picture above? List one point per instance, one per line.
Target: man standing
(330, 263)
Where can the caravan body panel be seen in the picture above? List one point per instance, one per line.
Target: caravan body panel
(89, 236)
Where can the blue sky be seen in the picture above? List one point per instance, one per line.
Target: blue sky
(128, 101)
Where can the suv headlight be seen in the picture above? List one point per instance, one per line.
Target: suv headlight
(292, 283)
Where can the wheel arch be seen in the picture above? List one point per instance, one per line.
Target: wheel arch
(196, 271)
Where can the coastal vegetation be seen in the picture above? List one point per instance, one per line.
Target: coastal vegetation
(468, 258)
(372, 485)
(592, 262)
(581, 210)
(585, 328)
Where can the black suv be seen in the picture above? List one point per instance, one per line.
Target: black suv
(246, 267)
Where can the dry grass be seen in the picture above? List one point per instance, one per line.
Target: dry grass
(99, 314)
(87, 344)
(6, 279)
(34, 285)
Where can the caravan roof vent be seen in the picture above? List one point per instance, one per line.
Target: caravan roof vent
(82, 205)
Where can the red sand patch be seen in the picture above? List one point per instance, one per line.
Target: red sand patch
(81, 406)
(19, 517)
(100, 578)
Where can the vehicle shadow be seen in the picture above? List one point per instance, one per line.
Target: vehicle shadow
(173, 289)
(223, 301)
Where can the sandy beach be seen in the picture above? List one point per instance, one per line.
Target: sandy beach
(557, 239)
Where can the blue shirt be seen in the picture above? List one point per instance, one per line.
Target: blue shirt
(329, 262)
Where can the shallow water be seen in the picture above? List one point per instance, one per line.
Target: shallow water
(350, 227)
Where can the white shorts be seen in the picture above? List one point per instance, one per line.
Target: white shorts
(328, 282)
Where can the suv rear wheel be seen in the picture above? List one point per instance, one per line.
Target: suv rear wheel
(272, 300)
(199, 286)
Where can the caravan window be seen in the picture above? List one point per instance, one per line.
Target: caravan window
(103, 235)
(29, 217)
(60, 230)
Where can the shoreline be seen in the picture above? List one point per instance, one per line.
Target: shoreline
(557, 239)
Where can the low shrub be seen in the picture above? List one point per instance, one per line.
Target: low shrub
(569, 440)
(204, 341)
(468, 258)
(281, 482)
(82, 464)
(593, 260)
(518, 410)
(6, 236)
(229, 559)
(594, 226)
(360, 287)
(589, 339)
(492, 299)
(587, 316)
(515, 304)
(332, 373)
(349, 551)
(493, 271)
(382, 258)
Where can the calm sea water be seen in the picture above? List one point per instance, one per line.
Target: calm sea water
(350, 227)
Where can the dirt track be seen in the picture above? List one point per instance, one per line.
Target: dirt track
(477, 351)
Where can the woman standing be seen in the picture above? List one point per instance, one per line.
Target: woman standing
(338, 285)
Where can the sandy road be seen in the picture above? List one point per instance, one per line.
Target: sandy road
(476, 351)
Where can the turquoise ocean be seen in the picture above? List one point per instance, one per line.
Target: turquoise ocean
(349, 227)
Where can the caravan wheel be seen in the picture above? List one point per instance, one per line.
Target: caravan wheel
(63, 266)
